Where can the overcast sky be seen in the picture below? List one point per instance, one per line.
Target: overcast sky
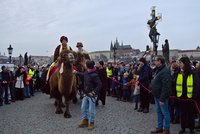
(35, 26)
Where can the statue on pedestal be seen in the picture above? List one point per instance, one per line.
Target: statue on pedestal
(165, 50)
(25, 59)
(153, 33)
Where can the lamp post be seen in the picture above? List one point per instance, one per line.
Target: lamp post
(10, 49)
(114, 53)
(20, 59)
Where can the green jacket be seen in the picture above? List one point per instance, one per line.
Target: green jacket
(161, 84)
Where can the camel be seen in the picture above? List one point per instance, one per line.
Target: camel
(80, 66)
(62, 82)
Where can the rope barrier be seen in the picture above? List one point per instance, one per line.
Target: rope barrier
(171, 97)
(8, 82)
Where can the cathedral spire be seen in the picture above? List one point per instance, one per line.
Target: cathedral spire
(117, 43)
(111, 46)
(117, 40)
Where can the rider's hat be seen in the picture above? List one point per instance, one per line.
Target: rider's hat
(79, 44)
(63, 38)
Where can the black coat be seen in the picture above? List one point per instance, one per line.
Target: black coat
(5, 77)
(92, 82)
(144, 75)
(196, 86)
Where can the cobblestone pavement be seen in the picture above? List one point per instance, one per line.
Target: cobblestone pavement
(36, 115)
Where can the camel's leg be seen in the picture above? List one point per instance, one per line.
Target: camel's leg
(67, 113)
(81, 94)
(55, 103)
(58, 102)
(74, 97)
(58, 107)
(62, 104)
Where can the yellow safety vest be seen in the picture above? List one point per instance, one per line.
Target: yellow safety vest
(179, 85)
(109, 72)
(31, 73)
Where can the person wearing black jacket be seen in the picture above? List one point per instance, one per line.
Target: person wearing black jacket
(103, 77)
(187, 87)
(5, 83)
(144, 72)
(92, 85)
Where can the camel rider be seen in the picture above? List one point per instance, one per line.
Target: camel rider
(81, 50)
(59, 48)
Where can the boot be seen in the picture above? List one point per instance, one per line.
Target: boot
(145, 110)
(103, 103)
(97, 103)
(91, 126)
(136, 106)
(156, 131)
(192, 131)
(176, 121)
(140, 109)
(181, 131)
(197, 128)
(84, 123)
(166, 131)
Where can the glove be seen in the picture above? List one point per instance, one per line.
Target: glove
(91, 94)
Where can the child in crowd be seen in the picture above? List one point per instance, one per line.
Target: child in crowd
(126, 86)
(132, 84)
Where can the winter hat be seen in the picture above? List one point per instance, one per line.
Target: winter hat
(101, 63)
(79, 44)
(90, 64)
(63, 38)
(185, 60)
(2, 68)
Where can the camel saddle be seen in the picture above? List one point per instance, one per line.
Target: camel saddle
(53, 70)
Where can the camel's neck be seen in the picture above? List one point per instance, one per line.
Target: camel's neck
(67, 69)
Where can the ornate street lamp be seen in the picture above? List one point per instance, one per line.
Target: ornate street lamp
(10, 49)
(114, 53)
(20, 59)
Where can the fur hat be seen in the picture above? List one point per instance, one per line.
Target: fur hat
(90, 64)
(185, 60)
(101, 63)
(79, 44)
(63, 38)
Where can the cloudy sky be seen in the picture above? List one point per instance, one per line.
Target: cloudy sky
(35, 26)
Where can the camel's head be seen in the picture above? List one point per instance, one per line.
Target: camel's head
(67, 57)
(80, 57)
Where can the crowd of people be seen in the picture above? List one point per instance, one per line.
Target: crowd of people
(174, 88)
(19, 84)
